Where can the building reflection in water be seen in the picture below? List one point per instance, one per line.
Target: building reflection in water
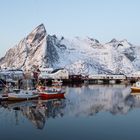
(80, 101)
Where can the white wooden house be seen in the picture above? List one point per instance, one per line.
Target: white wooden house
(116, 76)
(107, 76)
(49, 73)
(97, 76)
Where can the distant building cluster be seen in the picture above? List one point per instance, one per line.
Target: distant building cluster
(50, 73)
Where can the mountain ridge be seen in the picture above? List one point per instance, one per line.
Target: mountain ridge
(77, 55)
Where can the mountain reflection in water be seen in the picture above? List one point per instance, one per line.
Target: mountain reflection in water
(93, 99)
(79, 101)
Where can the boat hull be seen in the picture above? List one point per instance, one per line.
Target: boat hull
(135, 89)
(12, 98)
(44, 95)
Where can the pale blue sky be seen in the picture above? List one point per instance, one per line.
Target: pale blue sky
(100, 19)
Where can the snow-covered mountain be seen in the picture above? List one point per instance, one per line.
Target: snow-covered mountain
(78, 55)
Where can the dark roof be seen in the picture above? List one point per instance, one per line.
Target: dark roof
(56, 70)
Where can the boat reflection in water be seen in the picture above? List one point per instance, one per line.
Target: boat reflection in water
(134, 100)
(36, 111)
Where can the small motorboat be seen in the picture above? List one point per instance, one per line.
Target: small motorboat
(20, 94)
(136, 87)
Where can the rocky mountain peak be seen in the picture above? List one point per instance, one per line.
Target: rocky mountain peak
(36, 35)
(113, 40)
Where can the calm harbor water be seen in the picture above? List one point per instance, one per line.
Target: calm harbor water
(89, 112)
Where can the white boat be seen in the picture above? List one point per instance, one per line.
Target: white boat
(3, 97)
(20, 94)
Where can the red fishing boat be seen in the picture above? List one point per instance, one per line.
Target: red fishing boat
(52, 92)
(55, 91)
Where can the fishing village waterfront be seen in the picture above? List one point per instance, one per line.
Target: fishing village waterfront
(69, 70)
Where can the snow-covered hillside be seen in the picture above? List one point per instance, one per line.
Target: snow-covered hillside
(78, 55)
